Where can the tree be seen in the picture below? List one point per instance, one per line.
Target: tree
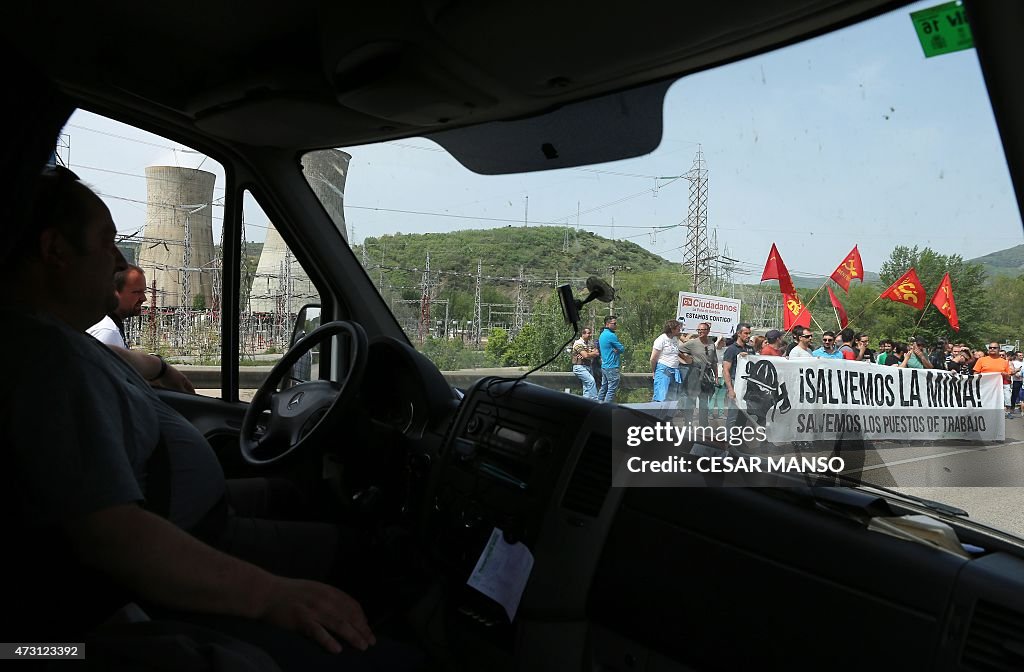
(643, 303)
(497, 344)
(973, 304)
(541, 338)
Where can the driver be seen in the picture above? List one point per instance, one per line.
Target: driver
(101, 473)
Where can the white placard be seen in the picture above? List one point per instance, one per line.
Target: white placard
(722, 313)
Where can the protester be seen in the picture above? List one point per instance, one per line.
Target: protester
(861, 349)
(962, 362)
(915, 357)
(702, 383)
(844, 344)
(611, 352)
(994, 362)
(885, 345)
(583, 353)
(730, 365)
(773, 344)
(1017, 379)
(804, 343)
(665, 363)
(827, 349)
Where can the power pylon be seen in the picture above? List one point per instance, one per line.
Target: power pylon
(697, 253)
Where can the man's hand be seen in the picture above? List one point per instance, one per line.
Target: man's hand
(320, 612)
(174, 380)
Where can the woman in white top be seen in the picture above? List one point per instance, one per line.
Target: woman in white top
(665, 360)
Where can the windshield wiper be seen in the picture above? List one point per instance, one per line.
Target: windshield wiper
(939, 507)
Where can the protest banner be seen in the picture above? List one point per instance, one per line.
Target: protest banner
(815, 399)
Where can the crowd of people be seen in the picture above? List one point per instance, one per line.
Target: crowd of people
(697, 370)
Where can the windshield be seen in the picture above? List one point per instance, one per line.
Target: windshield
(841, 164)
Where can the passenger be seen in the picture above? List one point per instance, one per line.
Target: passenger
(130, 293)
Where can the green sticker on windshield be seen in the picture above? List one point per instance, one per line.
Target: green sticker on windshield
(943, 29)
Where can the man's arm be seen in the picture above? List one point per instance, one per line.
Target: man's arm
(726, 369)
(160, 562)
(149, 367)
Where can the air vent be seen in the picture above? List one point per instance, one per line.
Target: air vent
(592, 477)
(995, 639)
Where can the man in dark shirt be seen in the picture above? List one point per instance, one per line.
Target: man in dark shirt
(730, 364)
(860, 348)
(103, 426)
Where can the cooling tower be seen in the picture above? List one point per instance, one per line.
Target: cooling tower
(326, 170)
(280, 285)
(179, 209)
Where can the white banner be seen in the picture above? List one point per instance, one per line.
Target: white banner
(811, 399)
(722, 313)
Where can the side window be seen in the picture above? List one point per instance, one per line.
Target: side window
(274, 289)
(167, 202)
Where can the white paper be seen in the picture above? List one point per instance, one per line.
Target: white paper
(502, 571)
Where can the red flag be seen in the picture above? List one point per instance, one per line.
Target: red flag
(794, 313)
(775, 269)
(908, 289)
(840, 313)
(943, 300)
(851, 268)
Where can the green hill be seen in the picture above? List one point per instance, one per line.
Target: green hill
(1004, 262)
(543, 252)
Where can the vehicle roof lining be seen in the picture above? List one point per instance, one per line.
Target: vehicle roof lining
(332, 75)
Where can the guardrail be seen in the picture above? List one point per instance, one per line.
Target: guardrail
(250, 377)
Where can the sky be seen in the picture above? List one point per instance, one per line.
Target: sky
(851, 138)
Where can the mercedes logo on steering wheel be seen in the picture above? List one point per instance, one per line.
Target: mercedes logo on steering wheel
(296, 400)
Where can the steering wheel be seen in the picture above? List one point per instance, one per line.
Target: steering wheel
(301, 414)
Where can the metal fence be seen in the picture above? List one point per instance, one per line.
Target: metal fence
(196, 334)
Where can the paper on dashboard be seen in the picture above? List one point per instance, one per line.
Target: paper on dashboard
(502, 571)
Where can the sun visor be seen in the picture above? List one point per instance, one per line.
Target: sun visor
(609, 128)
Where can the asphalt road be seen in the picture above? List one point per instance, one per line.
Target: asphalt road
(999, 507)
(984, 479)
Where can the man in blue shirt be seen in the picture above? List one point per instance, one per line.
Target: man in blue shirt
(611, 349)
(828, 348)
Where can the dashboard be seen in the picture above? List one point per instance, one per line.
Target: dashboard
(693, 578)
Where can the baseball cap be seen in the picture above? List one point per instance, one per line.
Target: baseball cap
(773, 335)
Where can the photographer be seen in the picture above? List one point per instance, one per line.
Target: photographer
(961, 362)
(915, 357)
